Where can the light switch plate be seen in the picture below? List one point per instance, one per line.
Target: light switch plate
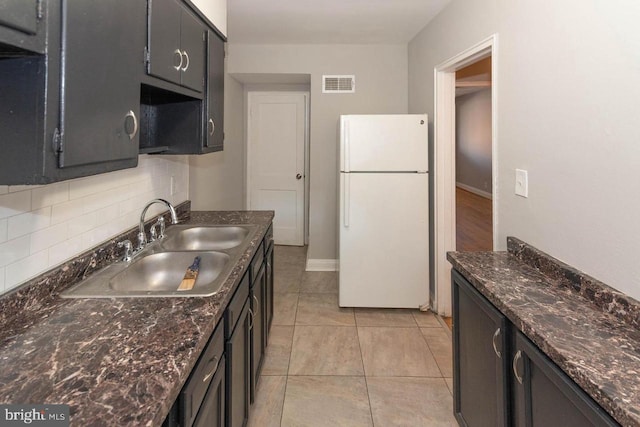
(522, 183)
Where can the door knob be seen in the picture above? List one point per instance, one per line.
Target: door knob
(298, 176)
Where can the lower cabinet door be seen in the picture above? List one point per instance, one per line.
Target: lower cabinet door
(480, 358)
(257, 329)
(238, 371)
(212, 411)
(269, 293)
(544, 396)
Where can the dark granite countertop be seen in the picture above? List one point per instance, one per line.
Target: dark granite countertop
(587, 328)
(119, 361)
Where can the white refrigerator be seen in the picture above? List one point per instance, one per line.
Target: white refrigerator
(383, 211)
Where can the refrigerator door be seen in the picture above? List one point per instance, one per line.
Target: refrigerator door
(384, 240)
(384, 143)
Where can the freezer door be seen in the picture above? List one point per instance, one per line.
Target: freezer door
(384, 240)
(383, 143)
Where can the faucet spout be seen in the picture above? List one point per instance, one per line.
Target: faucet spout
(142, 238)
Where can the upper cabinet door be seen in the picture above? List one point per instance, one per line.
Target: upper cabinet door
(165, 52)
(102, 62)
(215, 92)
(192, 41)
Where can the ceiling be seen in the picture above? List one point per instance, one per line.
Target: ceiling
(329, 21)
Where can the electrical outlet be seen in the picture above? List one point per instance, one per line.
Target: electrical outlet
(172, 185)
(522, 183)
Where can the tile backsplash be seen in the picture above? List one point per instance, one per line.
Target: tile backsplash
(43, 226)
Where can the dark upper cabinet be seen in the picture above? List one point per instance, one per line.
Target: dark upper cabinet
(176, 44)
(214, 117)
(22, 26)
(480, 359)
(100, 110)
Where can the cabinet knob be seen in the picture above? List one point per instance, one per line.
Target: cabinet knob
(212, 127)
(177, 55)
(516, 358)
(131, 124)
(186, 60)
(493, 341)
(298, 176)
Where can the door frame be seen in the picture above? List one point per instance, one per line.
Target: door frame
(444, 168)
(250, 96)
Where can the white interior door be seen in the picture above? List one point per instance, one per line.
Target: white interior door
(276, 160)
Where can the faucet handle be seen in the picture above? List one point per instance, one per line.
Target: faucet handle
(153, 232)
(128, 250)
(161, 223)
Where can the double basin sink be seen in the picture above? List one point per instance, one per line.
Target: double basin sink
(159, 268)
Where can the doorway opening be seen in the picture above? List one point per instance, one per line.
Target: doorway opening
(277, 161)
(444, 168)
(474, 191)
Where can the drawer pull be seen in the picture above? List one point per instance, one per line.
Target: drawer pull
(213, 371)
(257, 303)
(251, 319)
(493, 341)
(516, 358)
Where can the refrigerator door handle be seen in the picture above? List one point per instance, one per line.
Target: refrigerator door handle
(346, 202)
(347, 148)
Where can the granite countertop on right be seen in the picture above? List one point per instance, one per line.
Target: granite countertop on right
(590, 330)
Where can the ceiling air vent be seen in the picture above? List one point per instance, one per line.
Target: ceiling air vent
(338, 84)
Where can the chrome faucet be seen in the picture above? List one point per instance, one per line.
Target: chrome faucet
(142, 238)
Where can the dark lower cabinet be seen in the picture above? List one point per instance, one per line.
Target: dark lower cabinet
(545, 396)
(212, 411)
(480, 359)
(269, 291)
(258, 330)
(239, 371)
(502, 379)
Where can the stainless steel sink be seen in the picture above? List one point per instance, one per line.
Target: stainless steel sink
(158, 269)
(163, 272)
(204, 238)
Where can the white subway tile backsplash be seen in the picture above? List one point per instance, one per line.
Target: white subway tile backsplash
(43, 226)
(29, 222)
(49, 195)
(14, 204)
(13, 250)
(82, 223)
(65, 211)
(3, 230)
(65, 250)
(44, 239)
(25, 269)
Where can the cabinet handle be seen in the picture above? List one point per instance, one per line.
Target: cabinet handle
(178, 53)
(186, 57)
(251, 319)
(493, 341)
(257, 303)
(213, 127)
(134, 131)
(213, 371)
(516, 358)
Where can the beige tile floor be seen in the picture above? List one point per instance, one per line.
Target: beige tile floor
(332, 366)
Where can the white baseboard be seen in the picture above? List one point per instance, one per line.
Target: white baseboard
(322, 265)
(474, 190)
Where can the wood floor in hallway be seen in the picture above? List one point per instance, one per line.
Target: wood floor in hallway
(474, 229)
(331, 366)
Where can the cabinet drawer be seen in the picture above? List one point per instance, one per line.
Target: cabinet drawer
(193, 393)
(235, 306)
(256, 263)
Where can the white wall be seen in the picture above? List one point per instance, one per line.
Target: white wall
(217, 179)
(43, 226)
(381, 87)
(569, 81)
(473, 140)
